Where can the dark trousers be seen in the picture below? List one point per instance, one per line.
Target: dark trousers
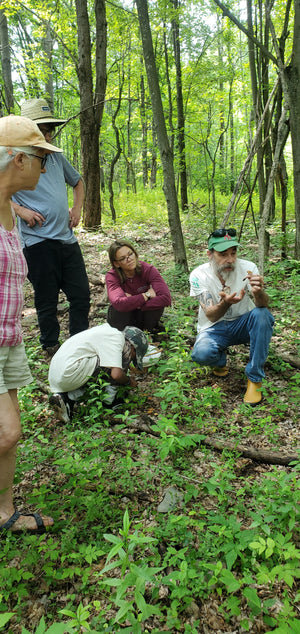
(53, 266)
(143, 319)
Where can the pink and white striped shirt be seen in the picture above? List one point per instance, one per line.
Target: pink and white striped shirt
(13, 271)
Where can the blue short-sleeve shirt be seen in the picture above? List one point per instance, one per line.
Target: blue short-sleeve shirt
(50, 199)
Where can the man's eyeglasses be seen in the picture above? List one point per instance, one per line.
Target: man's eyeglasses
(43, 159)
(220, 233)
(126, 257)
(47, 129)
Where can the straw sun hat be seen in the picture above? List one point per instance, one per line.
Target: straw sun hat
(39, 111)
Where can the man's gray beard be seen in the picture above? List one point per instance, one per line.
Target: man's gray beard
(218, 270)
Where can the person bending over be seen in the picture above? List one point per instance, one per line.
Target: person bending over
(232, 310)
(23, 154)
(136, 290)
(99, 349)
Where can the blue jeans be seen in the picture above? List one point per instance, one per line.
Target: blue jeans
(254, 327)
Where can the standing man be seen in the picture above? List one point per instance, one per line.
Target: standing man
(227, 315)
(51, 249)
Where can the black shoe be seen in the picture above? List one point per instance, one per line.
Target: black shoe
(63, 406)
(50, 351)
(115, 405)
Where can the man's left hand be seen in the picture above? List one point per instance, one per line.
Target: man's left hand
(256, 283)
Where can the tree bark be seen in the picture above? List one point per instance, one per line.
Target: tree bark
(281, 139)
(180, 111)
(259, 455)
(162, 137)
(153, 165)
(257, 107)
(91, 105)
(169, 88)
(144, 131)
(47, 46)
(293, 80)
(8, 95)
(118, 148)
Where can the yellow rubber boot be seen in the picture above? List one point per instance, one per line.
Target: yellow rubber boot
(253, 394)
(221, 371)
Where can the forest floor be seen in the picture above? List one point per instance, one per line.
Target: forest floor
(172, 442)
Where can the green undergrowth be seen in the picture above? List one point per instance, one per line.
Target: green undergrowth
(113, 562)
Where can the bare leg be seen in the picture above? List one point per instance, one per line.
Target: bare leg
(10, 431)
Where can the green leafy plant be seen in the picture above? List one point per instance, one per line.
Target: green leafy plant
(129, 596)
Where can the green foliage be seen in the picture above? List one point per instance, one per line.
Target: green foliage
(112, 562)
(55, 628)
(130, 585)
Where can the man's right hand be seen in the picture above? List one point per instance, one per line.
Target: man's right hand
(233, 298)
(30, 216)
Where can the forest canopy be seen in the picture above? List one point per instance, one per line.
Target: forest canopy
(227, 85)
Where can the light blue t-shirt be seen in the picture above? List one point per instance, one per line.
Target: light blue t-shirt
(51, 200)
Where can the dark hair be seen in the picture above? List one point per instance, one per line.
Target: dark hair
(112, 251)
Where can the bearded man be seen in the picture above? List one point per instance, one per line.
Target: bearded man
(232, 310)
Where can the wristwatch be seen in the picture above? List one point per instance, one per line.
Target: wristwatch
(148, 294)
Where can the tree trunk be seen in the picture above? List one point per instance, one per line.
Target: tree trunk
(169, 87)
(293, 80)
(162, 137)
(144, 131)
(129, 169)
(256, 101)
(119, 149)
(290, 78)
(47, 46)
(153, 169)
(180, 112)
(232, 154)
(281, 138)
(91, 105)
(8, 95)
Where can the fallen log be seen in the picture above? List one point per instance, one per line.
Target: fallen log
(258, 455)
(292, 359)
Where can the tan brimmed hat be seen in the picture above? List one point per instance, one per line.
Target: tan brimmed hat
(18, 131)
(39, 111)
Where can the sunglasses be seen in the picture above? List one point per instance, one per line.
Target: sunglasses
(220, 233)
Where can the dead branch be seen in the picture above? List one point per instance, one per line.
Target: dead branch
(292, 359)
(259, 455)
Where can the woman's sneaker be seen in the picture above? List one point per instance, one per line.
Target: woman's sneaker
(62, 405)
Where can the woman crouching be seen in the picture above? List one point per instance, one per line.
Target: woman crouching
(136, 290)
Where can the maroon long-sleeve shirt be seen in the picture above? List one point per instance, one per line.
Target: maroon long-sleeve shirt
(136, 286)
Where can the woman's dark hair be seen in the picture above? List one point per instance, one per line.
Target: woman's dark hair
(112, 251)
